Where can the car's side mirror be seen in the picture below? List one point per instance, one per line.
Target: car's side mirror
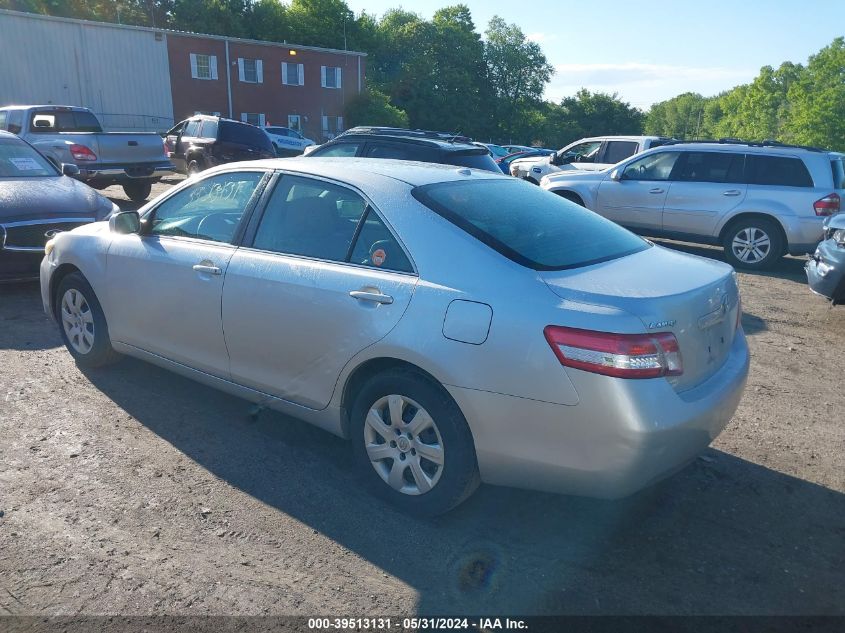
(69, 169)
(125, 222)
(616, 175)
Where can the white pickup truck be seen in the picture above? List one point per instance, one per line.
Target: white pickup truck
(68, 134)
(588, 154)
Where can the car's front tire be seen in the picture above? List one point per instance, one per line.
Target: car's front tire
(753, 243)
(194, 167)
(412, 444)
(82, 323)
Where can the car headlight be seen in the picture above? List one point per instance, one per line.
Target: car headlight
(48, 247)
(839, 237)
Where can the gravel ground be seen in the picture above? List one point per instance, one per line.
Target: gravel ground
(135, 491)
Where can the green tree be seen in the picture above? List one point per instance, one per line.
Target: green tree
(517, 72)
(372, 107)
(679, 117)
(817, 100)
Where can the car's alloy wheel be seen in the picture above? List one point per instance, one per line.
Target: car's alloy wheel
(78, 321)
(404, 445)
(751, 245)
(82, 322)
(411, 443)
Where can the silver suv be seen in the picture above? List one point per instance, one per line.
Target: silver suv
(758, 200)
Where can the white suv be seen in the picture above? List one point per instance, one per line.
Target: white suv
(588, 154)
(758, 200)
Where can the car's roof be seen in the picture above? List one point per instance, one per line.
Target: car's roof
(51, 106)
(442, 143)
(360, 171)
(746, 148)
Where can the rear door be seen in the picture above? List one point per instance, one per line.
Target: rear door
(636, 199)
(705, 187)
(320, 278)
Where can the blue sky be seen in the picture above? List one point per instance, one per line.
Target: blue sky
(650, 50)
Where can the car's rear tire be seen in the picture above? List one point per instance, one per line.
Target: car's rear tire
(753, 243)
(138, 191)
(82, 323)
(412, 444)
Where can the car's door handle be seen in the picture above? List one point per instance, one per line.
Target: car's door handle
(656, 190)
(375, 297)
(208, 270)
(731, 192)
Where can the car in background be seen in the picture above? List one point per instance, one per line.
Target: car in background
(826, 266)
(759, 201)
(205, 141)
(402, 144)
(513, 149)
(287, 142)
(72, 135)
(457, 326)
(505, 163)
(587, 154)
(496, 151)
(37, 201)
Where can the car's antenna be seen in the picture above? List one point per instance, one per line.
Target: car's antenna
(455, 136)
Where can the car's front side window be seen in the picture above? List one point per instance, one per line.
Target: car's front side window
(210, 209)
(656, 166)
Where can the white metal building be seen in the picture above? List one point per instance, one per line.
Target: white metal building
(47, 60)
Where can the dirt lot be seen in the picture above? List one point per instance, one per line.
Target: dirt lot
(135, 491)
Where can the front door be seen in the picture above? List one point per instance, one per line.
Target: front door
(636, 198)
(322, 278)
(165, 284)
(188, 133)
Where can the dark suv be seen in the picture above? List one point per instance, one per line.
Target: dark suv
(205, 141)
(420, 145)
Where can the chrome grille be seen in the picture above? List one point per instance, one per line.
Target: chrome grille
(30, 236)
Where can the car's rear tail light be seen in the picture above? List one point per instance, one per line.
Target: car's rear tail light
(80, 152)
(827, 205)
(619, 355)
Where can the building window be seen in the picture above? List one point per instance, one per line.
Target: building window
(255, 118)
(250, 71)
(293, 74)
(203, 66)
(295, 122)
(330, 76)
(332, 126)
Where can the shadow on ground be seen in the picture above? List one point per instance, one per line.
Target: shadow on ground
(23, 324)
(724, 536)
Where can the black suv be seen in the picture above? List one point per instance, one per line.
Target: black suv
(205, 141)
(421, 145)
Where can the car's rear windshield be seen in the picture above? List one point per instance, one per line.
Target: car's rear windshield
(531, 226)
(479, 160)
(838, 168)
(19, 160)
(44, 121)
(244, 134)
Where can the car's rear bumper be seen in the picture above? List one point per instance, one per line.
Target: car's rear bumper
(142, 171)
(803, 233)
(622, 436)
(826, 271)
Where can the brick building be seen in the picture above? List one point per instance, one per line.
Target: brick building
(147, 79)
(264, 83)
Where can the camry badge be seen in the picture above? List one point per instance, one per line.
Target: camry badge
(658, 324)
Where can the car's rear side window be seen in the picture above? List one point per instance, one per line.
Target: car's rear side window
(837, 166)
(617, 151)
(475, 161)
(711, 167)
(783, 171)
(533, 227)
(244, 134)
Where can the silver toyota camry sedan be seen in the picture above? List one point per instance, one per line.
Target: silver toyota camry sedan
(457, 326)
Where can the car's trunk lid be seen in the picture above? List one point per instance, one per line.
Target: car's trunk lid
(694, 298)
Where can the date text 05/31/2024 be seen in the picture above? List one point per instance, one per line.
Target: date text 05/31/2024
(416, 624)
